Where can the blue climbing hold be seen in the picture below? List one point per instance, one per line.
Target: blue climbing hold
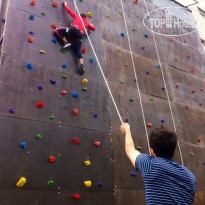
(75, 95)
(52, 81)
(64, 65)
(40, 87)
(204, 163)
(92, 60)
(126, 120)
(31, 33)
(95, 115)
(23, 145)
(163, 88)
(147, 72)
(12, 110)
(135, 79)
(54, 40)
(146, 35)
(29, 65)
(158, 65)
(123, 34)
(143, 48)
(133, 174)
(162, 120)
(99, 184)
(32, 17)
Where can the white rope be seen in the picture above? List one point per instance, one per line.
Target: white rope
(165, 85)
(99, 64)
(142, 109)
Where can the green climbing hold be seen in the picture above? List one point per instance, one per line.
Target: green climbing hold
(139, 148)
(64, 76)
(122, 82)
(192, 154)
(51, 117)
(81, 0)
(63, 50)
(131, 100)
(38, 136)
(43, 13)
(152, 99)
(50, 183)
(84, 89)
(134, 29)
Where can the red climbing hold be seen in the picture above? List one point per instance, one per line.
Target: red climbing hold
(193, 91)
(51, 159)
(30, 40)
(198, 116)
(64, 92)
(171, 40)
(186, 106)
(177, 86)
(149, 124)
(185, 41)
(39, 105)
(53, 26)
(97, 144)
(199, 140)
(33, 3)
(176, 59)
(189, 119)
(201, 89)
(76, 140)
(188, 56)
(192, 71)
(75, 111)
(55, 4)
(83, 50)
(200, 104)
(136, 1)
(76, 196)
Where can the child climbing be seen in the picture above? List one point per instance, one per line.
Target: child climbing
(73, 35)
(166, 181)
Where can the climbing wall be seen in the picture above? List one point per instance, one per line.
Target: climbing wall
(60, 130)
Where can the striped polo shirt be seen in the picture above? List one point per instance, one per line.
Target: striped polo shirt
(166, 181)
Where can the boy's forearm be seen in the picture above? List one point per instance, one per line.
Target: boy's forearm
(129, 143)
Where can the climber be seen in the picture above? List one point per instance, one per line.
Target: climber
(73, 34)
(166, 181)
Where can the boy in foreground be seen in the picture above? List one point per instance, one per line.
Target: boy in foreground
(166, 181)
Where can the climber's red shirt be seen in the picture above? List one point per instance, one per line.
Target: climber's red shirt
(77, 21)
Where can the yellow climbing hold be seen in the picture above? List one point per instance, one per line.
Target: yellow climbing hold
(42, 51)
(87, 163)
(21, 182)
(120, 11)
(138, 16)
(90, 14)
(126, 65)
(118, 50)
(108, 16)
(84, 81)
(88, 183)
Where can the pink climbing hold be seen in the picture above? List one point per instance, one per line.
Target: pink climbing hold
(39, 104)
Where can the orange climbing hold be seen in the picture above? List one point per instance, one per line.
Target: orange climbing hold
(51, 159)
(30, 40)
(55, 4)
(53, 26)
(33, 3)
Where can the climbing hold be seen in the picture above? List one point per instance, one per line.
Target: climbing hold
(31, 17)
(171, 40)
(185, 41)
(23, 145)
(54, 4)
(146, 35)
(163, 88)
(147, 72)
(193, 91)
(30, 40)
(39, 104)
(188, 95)
(136, 1)
(201, 89)
(84, 89)
(134, 29)
(95, 115)
(192, 154)
(33, 3)
(120, 11)
(88, 183)
(40, 87)
(43, 13)
(99, 184)
(162, 120)
(199, 140)
(192, 71)
(54, 40)
(63, 50)
(204, 163)
(123, 34)
(76, 140)
(143, 48)
(189, 119)
(64, 65)
(83, 50)
(186, 106)
(133, 174)
(51, 159)
(176, 59)
(118, 50)
(52, 81)
(131, 100)
(12, 110)
(149, 124)
(75, 111)
(135, 79)
(92, 60)
(31, 32)
(87, 163)
(126, 64)
(108, 16)
(152, 99)
(84, 81)
(126, 120)
(198, 116)
(53, 26)
(29, 65)
(177, 86)
(158, 65)
(122, 82)
(42, 51)
(75, 95)
(21, 182)
(139, 148)
(38, 136)
(50, 183)
(64, 76)
(200, 104)
(76, 196)
(89, 14)
(81, 0)
(97, 144)
(52, 117)
(63, 92)
(188, 56)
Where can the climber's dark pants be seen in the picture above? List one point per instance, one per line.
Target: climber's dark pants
(73, 35)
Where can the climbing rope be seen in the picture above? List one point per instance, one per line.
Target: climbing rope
(113, 100)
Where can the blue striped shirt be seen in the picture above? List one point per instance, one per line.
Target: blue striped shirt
(166, 181)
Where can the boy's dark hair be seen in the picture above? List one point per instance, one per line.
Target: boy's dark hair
(163, 142)
(83, 15)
